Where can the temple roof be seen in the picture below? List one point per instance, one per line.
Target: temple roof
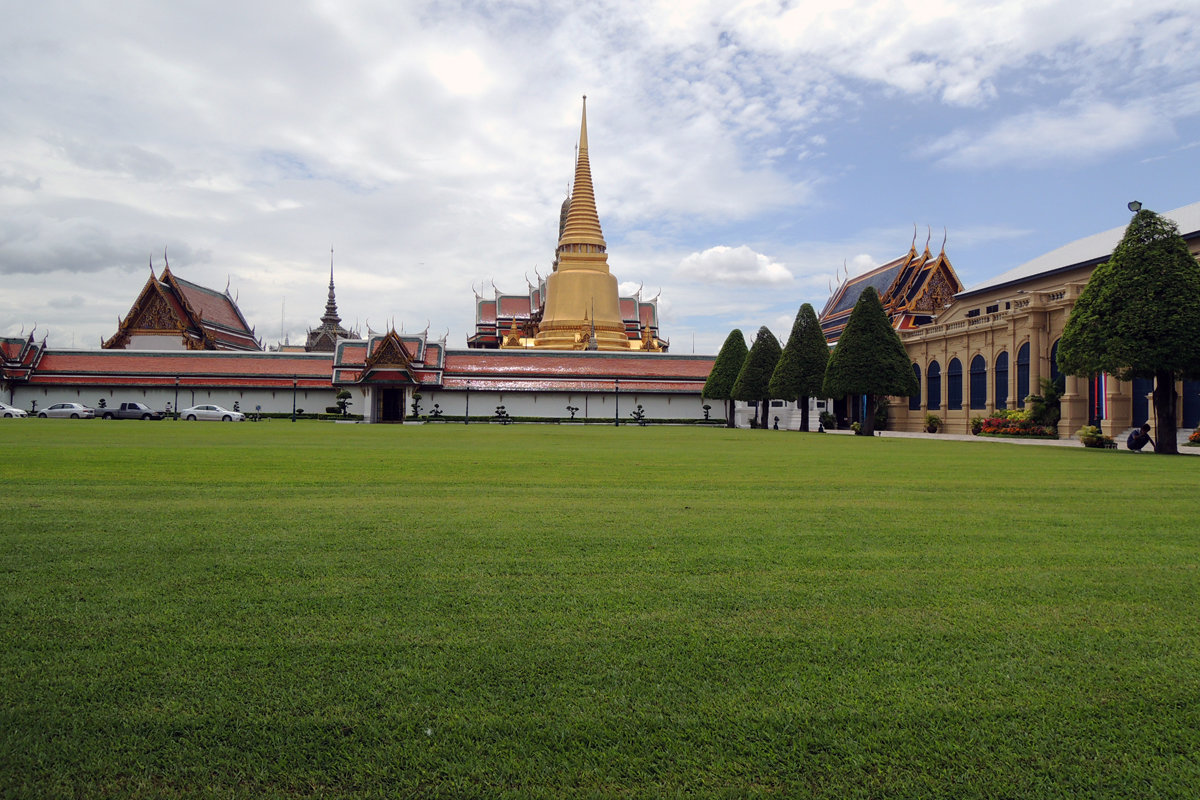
(912, 288)
(19, 357)
(202, 318)
(881, 279)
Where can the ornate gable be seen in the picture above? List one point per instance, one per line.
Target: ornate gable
(151, 313)
(155, 314)
(389, 355)
(939, 290)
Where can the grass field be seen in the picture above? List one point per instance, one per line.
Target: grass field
(296, 610)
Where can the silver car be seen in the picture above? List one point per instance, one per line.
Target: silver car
(212, 412)
(67, 410)
(11, 411)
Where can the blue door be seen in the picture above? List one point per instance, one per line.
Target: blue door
(1002, 380)
(1022, 375)
(1191, 404)
(1141, 405)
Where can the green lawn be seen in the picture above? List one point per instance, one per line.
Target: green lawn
(321, 610)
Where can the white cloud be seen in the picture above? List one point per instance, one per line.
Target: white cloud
(1039, 137)
(736, 265)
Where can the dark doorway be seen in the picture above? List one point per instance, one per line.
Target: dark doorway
(1191, 404)
(391, 405)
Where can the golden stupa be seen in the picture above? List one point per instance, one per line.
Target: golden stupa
(582, 310)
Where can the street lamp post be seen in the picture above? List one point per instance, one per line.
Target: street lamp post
(293, 398)
(467, 414)
(617, 403)
(176, 406)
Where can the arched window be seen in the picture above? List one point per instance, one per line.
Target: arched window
(1022, 375)
(914, 401)
(954, 385)
(978, 382)
(1002, 380)
(933, 386)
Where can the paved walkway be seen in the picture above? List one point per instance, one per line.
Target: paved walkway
(1072, 442)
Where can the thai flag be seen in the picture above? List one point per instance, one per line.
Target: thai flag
(1100, 392)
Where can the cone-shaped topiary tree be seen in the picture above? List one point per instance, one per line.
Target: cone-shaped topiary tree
(869, 359)
(753, 382)
(726, 367)
(1139, 317)
(801, 368)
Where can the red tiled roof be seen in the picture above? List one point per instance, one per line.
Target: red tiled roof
(551, 364)
(511, 306)
(434, 355)
(212, 306)
(352, 352)
(518, 385)
(192, 368)
(487, 311)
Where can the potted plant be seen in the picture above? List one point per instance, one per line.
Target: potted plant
(1091, 436)
(933, 423)
(976, 425)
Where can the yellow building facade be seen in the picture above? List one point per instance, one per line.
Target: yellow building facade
(991, 346)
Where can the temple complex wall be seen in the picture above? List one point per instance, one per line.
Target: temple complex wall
(277, 401)
(548, 404)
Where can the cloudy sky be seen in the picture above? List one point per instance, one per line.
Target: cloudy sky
(742, 153)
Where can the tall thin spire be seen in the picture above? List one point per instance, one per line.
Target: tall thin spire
(331, 318)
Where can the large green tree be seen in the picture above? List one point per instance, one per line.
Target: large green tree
(869, 359)
(754, 381)
(1139, 317)
(725, 369)
(801, 368)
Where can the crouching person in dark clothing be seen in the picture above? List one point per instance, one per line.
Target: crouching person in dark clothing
(1139, 438)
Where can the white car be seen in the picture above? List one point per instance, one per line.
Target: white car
(10, 411)
(213, 413)
(67, 410)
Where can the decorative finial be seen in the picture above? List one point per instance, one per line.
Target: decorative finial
(945, 234)
(928, 237)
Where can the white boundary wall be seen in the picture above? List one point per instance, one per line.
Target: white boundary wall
(159, 399)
